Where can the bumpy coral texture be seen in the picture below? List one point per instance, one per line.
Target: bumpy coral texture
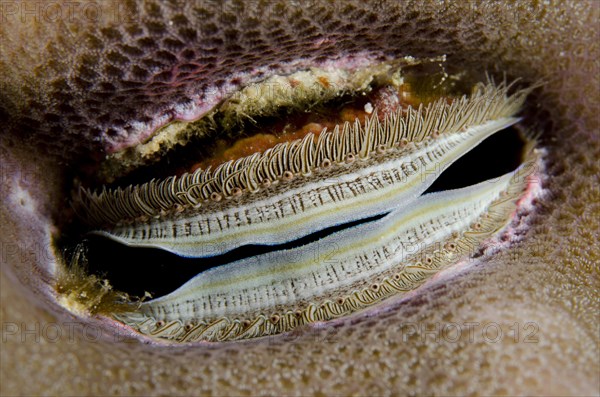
(96, 80)
(146, 61)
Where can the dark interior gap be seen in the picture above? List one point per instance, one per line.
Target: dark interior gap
(136, 270)
(499, 154)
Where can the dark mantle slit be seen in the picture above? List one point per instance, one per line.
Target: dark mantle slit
(136, 270)
(499, 154)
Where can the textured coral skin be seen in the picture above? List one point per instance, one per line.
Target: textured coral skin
(550, 278)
